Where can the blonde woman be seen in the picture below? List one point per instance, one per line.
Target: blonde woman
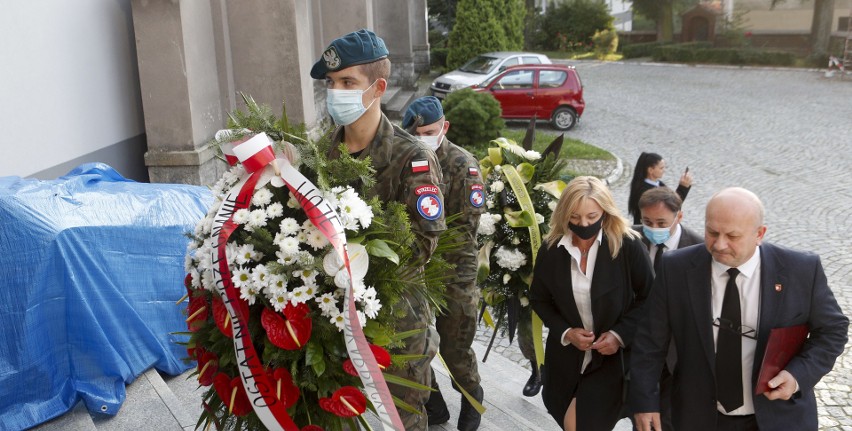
(590, 280)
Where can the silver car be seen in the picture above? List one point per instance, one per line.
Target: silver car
(482, 68)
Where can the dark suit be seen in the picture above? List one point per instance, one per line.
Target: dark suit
(680, 306)
(633, 200)
(619, 288)
(687, 237)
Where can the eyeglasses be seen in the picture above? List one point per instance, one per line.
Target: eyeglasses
(743, 331)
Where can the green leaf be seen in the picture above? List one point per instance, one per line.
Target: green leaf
(526, 171)
(483, 262)
(379, 248)
(405, 406)
(403, 335)
(314, 358)
(519, 218)
(403, 359)
(553, 188)
(390, 378)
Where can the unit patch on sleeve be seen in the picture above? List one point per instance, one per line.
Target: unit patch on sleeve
(429, 206)
(477, 195)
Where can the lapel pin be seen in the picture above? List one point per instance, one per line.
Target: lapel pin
(778, 288)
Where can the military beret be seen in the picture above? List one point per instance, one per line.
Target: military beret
(358, 47)
(422, 112)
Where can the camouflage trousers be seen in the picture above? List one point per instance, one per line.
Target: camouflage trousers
(457, 328)
(525, 337)
(425, 343)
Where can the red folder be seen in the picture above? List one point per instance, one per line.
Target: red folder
(783, 344)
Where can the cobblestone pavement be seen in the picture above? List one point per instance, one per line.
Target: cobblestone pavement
(784, 134)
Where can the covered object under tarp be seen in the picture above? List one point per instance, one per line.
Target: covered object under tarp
(92, 265)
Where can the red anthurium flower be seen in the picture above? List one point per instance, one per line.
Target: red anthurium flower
(223, 319)
(290, 332)
(232, 394)
(282, 385)
(208, 366)
(346, 402)
(312, 428)
(187, 282)
(382, 357)
(197, 310)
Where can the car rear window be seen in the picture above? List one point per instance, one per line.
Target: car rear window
(532, 60)
(515, 79)
(551, 78)
(481, 64)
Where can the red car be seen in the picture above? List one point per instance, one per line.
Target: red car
(545, 91)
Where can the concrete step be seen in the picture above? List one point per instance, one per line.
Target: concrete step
(390, 92)
(77, 419)
(395, 108)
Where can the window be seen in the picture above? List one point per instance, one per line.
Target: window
(843, 23)
(510, 62)
(532, 60)
(515, 79)
(551, 78)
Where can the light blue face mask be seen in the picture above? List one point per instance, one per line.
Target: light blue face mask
(657, 235)
(346, 106)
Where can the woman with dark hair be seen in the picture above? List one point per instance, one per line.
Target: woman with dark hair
(646, 175)
(590, 279)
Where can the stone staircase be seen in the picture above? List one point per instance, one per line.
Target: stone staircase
(173, 403)
(396, 100)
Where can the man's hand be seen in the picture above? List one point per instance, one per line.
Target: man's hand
(580, 338)
(783, 386)
(607, 344)
(648, 421)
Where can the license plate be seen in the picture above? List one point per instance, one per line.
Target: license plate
(439, 95)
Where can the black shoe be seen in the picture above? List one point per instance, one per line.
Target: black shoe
(533, 386)
(436, 408)
(469, 418)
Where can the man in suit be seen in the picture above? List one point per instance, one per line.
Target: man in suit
(662, 231)
(720, 303)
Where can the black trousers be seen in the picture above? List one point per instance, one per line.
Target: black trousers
(735, 423)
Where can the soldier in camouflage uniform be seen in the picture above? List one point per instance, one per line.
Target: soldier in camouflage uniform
(463, 195)
(355, 68)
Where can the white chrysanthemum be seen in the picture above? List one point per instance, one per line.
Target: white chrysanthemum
(372, 307)
(300, 295)
(353, 211)
(207, 281)
(261, 198)
(196, 276)
(289, 245)
(525, 302)
(260, 275)
(293, 203)
(308, 276)
(246, 253)
(275, 210)
(301, 236)
(304, 258)
(532, 155)
(370, 293)
(497, 186)
(289, 226)
(249, 293)
(539, 219)
(310, 290)
(232, 250)
(552, 205)
(279, 300)
(241, 276)
(490, 203)
(188, 262)
(327, 303)
(488, 224)
(498, 168)
(316, 239)
(506, 278)
(275, 283)
(337, 319)
(510, 258)
(362, 318)
(242, 216)
(286, 259)
(358, 289)
(257, 218)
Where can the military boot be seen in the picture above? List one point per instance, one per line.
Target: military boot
(469, 418)
(436, 407)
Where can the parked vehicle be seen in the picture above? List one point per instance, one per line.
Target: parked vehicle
(545, 91)
(482, 68)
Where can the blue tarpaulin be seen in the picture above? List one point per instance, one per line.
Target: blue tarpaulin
(92, 265)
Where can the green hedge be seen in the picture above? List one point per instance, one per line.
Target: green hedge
(637, 50)
(438, 57)
(700, 52)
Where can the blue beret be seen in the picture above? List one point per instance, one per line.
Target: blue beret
(359, 47)
(423, 112)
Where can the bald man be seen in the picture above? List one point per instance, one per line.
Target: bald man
(719, 301)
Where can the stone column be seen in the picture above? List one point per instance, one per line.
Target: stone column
(338, 17)
(271, 47)
(420, 36)
(393, 24)
(180, 89)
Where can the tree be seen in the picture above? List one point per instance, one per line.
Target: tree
(477, 30)
(820, 25)
(443, 11)
(513, 16)
(574, 22)
(662, 12)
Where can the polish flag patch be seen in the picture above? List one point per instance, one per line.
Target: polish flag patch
(420, 166)
(473, 171)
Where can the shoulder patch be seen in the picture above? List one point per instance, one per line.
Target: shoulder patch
(477, 195)
(420, 166)
(429, 206)
(473, 171)
(426, 189)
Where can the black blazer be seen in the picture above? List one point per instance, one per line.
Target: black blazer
(680, 306)
(619, 288)
(687, 237)
(633, 201)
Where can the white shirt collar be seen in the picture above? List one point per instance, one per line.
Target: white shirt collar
(674, 239)
(653, 182)
(746, 269)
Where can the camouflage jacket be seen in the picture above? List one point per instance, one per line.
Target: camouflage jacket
(464, 195)
(409, 173)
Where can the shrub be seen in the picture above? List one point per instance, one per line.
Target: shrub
(512, 15)
(438, 57)
(474, 118)
(698, 52)
(636, 50)
(576, 20)
(477, 30)
(605, 42)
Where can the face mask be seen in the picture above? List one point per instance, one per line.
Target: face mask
(586, 232)
(657, 235)
(346, 106)
(433, 142)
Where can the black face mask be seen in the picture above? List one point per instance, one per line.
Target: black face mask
(586, 232)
